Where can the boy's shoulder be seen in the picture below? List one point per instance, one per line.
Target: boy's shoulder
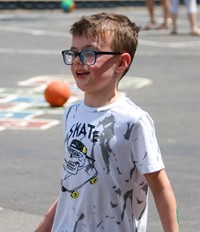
(73, 106)
(127, 107)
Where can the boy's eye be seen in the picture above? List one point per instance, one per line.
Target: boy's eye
(88, 54)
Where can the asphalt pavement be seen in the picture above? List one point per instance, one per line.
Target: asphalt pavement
(164, 80)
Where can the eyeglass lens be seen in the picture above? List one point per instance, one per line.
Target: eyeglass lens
(87, 57)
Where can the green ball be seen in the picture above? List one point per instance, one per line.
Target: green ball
(67, 5)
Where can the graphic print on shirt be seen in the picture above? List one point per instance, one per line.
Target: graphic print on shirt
(79, 169)
(105, 138)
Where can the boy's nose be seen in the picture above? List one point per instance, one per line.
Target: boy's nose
(77, 60)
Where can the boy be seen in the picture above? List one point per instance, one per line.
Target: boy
(111, 152)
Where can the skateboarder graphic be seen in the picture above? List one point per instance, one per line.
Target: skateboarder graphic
(79, 169)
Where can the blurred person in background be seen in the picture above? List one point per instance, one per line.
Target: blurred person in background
(152, 22)
(191, 6)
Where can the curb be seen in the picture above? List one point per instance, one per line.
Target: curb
(56, 4)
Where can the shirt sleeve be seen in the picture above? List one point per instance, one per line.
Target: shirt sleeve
(145, 148)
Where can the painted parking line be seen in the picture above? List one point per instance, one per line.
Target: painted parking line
(6, 106)
(30, 124)
(17, 115)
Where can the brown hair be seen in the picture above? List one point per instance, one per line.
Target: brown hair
(123, 31)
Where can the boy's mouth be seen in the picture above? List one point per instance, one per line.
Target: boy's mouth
(82, 74)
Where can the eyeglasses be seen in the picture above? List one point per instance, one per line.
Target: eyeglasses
(87, 57)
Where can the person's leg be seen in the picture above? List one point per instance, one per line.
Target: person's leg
(165, 5)
(192, 16)
(151, 11)
(173, 13)
(174, 26)
(195, 30)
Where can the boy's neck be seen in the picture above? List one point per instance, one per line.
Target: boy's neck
(100, 101)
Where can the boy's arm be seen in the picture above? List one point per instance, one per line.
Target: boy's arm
(47, 222)
(164, 200)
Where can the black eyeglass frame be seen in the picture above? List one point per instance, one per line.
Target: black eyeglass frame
(82, 58)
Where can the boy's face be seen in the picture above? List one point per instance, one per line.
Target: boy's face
(102, 75)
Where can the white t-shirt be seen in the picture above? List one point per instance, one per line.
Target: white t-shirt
(107, 151)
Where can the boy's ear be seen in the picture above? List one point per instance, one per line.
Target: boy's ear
(124, 62)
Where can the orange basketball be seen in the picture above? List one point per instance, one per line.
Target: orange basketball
(57, 93)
